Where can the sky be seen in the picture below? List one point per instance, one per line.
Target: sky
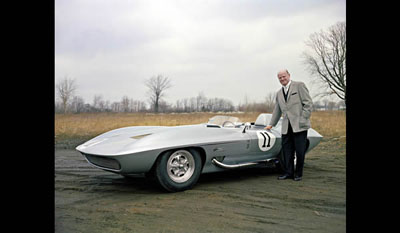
(229, 49)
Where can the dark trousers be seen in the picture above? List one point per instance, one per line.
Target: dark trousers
(291, 143)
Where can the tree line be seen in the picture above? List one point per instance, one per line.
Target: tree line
(67, 102)
(199, 103)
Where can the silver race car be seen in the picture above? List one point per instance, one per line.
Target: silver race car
(177, 155)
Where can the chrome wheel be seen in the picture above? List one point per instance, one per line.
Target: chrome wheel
(180, 166)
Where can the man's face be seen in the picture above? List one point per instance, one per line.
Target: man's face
(283, 77)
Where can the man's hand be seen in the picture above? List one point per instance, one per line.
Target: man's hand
(268, 127)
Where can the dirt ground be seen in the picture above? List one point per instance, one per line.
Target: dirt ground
(88, 199)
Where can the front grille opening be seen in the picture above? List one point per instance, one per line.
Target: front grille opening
(103, 162)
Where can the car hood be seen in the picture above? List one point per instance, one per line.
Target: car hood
(136, 139)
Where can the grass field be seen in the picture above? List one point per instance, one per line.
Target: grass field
(79, 127)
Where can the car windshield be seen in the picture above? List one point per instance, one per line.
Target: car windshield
(223, 121)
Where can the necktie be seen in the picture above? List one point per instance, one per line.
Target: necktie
(284, 93)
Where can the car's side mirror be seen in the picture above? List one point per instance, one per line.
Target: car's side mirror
(247, 125)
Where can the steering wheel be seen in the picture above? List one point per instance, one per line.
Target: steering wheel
(228, 122)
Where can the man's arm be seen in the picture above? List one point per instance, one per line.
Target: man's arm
(306, 101)
(276, 115)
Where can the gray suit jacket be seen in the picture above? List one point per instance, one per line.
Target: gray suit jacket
(297, 108)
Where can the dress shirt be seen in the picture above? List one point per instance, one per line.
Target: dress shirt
(286, 88)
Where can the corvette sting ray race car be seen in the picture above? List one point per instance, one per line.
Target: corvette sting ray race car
(177, 155)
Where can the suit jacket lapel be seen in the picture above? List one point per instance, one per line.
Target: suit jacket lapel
(291, 87)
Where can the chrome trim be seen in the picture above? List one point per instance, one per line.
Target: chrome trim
(180, 166)
(233, 166)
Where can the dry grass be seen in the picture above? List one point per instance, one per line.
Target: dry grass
(67, 126)
(330, 123)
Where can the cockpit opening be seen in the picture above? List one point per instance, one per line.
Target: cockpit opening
(224, 121)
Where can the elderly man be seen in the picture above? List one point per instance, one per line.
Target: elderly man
(294, 103)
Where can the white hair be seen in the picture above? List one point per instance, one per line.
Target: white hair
(283, 70)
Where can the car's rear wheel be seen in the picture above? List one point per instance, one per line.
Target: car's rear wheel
(178, 170)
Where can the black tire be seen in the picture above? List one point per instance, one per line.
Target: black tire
(174, 174)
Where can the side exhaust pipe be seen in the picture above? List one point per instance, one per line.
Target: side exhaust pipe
(234, 166)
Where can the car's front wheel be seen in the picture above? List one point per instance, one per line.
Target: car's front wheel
(178, 170)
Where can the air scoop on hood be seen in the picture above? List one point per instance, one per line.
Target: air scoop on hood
(140, 136)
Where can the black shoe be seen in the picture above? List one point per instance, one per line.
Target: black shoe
(297, 178)
(284, 177)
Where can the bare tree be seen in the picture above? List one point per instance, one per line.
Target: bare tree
(327, 59)
(116, 106)
(201, 102)
(66, 88)
(77, 104)
(125, 102)
(157, 86)
(186, 107)
(98, 103)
